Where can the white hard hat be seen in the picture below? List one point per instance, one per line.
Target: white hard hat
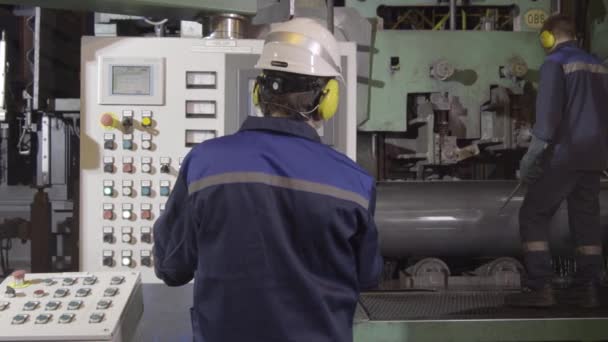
(301, 46)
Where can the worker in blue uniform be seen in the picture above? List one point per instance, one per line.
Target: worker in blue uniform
(275, 227)
(565, 159)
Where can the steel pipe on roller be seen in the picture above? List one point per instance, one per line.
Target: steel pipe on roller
(460, 218)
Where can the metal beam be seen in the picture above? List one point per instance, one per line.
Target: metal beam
(164, 8)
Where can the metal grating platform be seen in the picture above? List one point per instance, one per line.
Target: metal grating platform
(404, 306)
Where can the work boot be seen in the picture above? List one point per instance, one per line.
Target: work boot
(532, 298)
(586, 295)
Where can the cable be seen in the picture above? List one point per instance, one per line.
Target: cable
(5, 246)
(306, 115)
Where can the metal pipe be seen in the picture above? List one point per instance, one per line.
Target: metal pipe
(228, 26)
(452, 15)
(460, 219)
(330, 15)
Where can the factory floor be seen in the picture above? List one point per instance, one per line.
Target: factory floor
(408, 317)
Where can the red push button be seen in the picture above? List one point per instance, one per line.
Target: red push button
(127, 168)
(108, 215)
(146, 214)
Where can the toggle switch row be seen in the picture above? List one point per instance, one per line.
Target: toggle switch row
(127, 235)
(110, 120)
(127, 211)
(126, 258)
(109, 142)
(145, 188)
(145, 164)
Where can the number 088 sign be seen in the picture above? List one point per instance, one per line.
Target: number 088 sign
(535, 18)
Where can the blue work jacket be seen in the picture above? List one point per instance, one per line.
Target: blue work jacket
(572, 109)
(277, 231)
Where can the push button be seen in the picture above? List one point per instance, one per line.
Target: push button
(146, 141)
(127, 211)
(104, 304)
(146, 211)
(10, 292)
(127, 142)
(146, 188)
(108, 211)
(165, 164)
(127, 258)
(43, 318)
(108, 141)
(30, 306)
(108, 258)
(146, 120)
(127, 235)
(146, 258)
(127, 165)
(96, 318)
(68, 281)
(146, 165)
(90, 280)
(60, 293)
(108, 234)
(20, 319)
(110, 292)
(108, 164)
(52, 305)
(127, 188)
(74, 305)
(108, 121)
(66, 318)
(127, 119)
(83, 292)
(117, 280)
(146, 234)
(108, 188)
(165, 188)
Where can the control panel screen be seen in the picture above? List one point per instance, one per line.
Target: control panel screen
(131, 80)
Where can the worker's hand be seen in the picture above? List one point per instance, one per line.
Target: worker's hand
(530, 167)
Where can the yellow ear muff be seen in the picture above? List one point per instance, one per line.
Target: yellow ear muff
(255, 94)
(330, 98)
(547, 40)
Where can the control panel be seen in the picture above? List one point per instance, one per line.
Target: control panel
(70, 306)
(146, 102)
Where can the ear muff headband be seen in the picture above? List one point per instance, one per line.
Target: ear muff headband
(329, 100)
(547, 39)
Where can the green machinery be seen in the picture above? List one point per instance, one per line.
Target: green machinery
(598, 20)
(450, 92)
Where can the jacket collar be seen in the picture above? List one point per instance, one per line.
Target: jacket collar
(568, 44)
(281, 125)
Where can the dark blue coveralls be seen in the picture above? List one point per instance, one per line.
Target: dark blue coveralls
(277, 231)
(572, 117)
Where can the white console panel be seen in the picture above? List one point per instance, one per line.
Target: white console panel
(146, 102)
(71, 307)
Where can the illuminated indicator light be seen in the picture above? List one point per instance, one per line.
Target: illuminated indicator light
(146, 122)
